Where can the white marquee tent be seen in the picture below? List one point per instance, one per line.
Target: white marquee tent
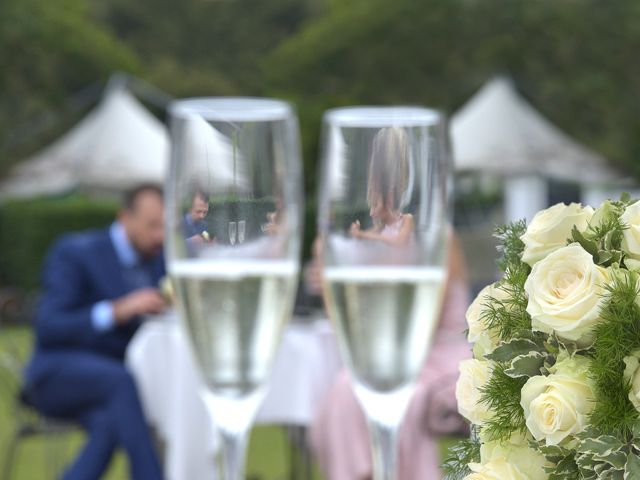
(497, 131)
(117, 145)
(205, 147)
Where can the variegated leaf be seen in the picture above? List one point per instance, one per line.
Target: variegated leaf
(632, 467)
(507, 351)
(528, 365)
(602, 446)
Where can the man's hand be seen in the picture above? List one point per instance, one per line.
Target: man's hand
(146, 301)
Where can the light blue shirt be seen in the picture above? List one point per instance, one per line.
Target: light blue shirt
(102, 315)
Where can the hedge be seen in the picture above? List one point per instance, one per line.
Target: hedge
(29, 227)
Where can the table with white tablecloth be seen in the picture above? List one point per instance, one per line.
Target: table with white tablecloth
(162, 364)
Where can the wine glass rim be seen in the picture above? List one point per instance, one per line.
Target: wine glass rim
(383, 116)
(232, 108)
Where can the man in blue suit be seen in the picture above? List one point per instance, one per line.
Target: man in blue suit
(194, 220)
(97, 285)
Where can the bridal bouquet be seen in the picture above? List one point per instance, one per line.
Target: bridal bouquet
(553, 389)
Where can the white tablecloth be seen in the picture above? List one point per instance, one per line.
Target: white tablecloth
(161, 363)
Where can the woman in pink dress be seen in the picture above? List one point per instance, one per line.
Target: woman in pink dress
(339, 437)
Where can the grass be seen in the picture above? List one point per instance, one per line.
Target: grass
(44, 456)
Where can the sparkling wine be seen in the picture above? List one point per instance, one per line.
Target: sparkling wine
(235, 312)
(386, 317)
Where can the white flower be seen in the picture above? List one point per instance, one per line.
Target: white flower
(632, 375)
(631, 235)
(516, 452)
(498, 469)
(479, 333)
(474, 374)
(549, 230)
(632, 264)
(558, 406)
(565, 294)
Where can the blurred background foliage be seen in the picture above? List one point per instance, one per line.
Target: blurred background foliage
(575, 60)
(27, 228)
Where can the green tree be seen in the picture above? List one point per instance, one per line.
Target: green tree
(49, 50)
(223, 39)
(572, 59)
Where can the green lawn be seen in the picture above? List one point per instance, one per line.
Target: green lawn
(41, 456)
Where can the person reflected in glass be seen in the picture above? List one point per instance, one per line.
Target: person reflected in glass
(274, 220)
(195, 227)
(387, 186)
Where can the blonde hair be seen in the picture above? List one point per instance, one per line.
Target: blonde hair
(388, 169)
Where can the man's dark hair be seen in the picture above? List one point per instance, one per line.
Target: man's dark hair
(201, 195)
(131, 196)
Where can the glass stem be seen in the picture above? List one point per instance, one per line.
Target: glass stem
(384, 412)
(232, 418)
(234, 453)
(384, 449)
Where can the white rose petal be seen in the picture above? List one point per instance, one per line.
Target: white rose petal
(632, 375)
(498, 469)
(565, 294)
(479, 333)
(474, 374)
(558, 406)
(631, 235)
(549, 230)
(516, 452)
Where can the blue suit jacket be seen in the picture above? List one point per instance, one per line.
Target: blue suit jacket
(80, 270)
(193, 227)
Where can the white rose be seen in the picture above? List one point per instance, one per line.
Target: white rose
(557, 406)
(632, 264)
(474, 374)
(631, 235)
(632, 375)
(549, 230)
(498, 469)
(565, 293)
(484, 339)
(516, 452)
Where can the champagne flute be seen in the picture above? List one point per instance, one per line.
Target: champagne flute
(383, 220)
(233, 230)
(234, 301)
(242, 225)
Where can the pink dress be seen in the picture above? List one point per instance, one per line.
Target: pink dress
(339, 437)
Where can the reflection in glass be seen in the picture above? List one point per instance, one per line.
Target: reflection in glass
(241, 229)
(233, 232)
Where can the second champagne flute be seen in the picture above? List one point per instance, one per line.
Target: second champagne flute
(383, 220)
(242, 153)
(233, 231)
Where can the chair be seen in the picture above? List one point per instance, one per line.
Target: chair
(27, 421)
